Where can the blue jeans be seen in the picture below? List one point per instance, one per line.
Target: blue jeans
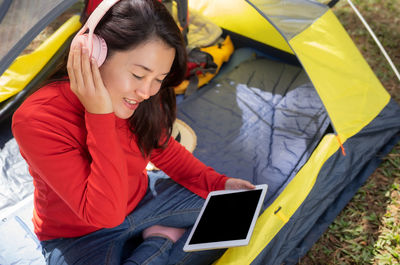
(169, 204)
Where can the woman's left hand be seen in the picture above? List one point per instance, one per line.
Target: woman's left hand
(237, 184)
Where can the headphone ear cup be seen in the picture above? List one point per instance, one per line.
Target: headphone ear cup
(99, 48)
(99, 51)
(79, 39)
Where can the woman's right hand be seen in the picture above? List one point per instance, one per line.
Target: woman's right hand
(86, 81)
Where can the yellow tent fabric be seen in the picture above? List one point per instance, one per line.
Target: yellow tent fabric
(352, 94)
(239, 17)
(278, 213)
(26, 67)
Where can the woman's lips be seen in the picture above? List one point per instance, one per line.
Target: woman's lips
(131, 104)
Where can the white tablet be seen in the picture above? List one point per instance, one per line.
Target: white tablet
(227, 219)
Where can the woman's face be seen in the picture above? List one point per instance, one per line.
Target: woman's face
(135, 75)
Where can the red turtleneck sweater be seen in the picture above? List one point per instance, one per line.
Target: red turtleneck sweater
(87, 169)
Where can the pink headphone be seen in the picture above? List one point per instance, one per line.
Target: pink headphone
(97, 45)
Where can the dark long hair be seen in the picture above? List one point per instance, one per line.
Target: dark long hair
(125, 26)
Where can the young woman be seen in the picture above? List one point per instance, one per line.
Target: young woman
(87, 140)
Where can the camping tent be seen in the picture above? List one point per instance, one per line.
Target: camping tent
(296, 107)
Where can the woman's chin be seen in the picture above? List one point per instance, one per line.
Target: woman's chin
(124, 114)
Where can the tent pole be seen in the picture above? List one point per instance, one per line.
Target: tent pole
(375, 38)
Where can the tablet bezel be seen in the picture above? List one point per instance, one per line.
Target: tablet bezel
(229, 243)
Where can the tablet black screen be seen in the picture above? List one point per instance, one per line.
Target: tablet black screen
(227, 217)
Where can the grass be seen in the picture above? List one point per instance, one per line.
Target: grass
(367, 231)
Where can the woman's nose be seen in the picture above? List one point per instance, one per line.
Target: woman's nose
(144, 91)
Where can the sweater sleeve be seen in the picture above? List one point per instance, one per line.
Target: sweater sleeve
(91, 180)
(187, 170)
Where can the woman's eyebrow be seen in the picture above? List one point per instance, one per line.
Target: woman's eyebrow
(148, 69)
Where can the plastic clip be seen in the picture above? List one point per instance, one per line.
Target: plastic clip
(281, 215)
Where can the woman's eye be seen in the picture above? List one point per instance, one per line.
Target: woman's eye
(138, 77)
(159, 81)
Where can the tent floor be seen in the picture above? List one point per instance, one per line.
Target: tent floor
(260, 122)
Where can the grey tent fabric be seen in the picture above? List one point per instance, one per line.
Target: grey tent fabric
(4, 6)
(289, 17)
(22, 21)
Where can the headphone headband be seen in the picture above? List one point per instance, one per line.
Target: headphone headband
(99, 13)
(94, 19)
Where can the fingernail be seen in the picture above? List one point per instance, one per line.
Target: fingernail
(93, 60)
